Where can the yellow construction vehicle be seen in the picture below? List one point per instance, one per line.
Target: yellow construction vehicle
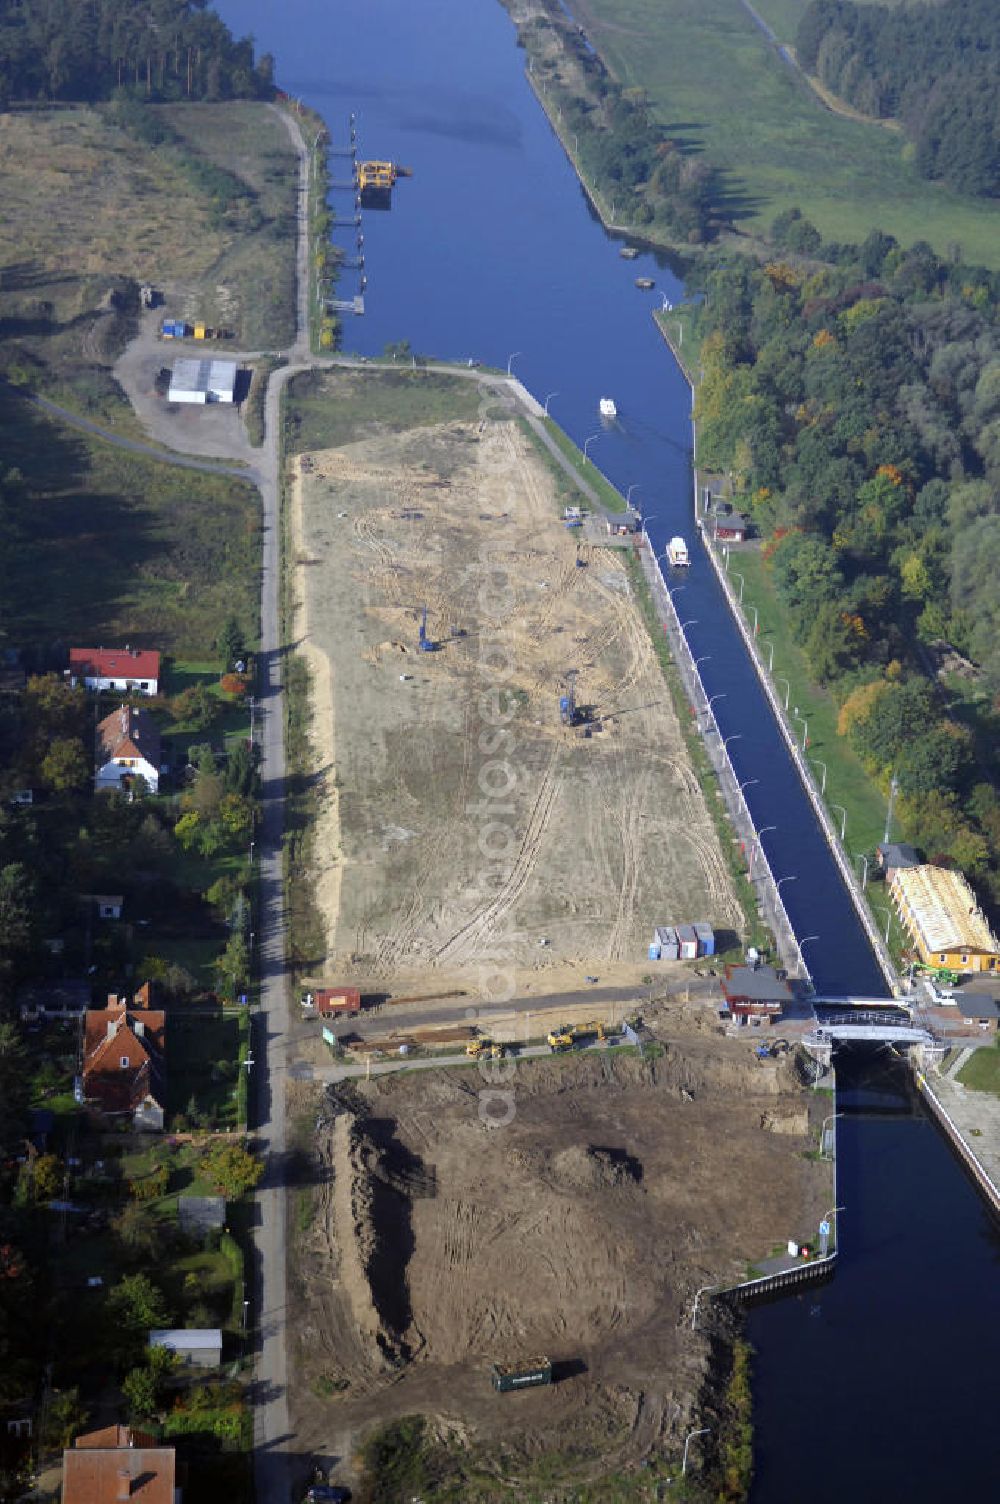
(376, 180)
(477, 1048)
(560, 1039)
(593, 1030)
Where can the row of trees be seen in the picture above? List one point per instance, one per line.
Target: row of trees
(88, 49)
(650, 176)
(855, 399)
(935, 67)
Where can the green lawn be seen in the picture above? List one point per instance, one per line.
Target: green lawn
(982, 1070)
(203, 1065)
(327, 409)
(716, 81)
(586, 469)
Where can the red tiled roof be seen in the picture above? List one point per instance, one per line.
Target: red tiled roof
(114, 663)
(115, 1436)
(129, 731)
(109, 1037)
(95, 1474)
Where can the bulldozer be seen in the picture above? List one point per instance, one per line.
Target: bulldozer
(560, 1039)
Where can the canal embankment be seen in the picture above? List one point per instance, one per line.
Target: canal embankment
(970, 1120)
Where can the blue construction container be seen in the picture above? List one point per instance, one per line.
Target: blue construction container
(654, 952)
(706, 939)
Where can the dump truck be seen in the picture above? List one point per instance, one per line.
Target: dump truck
(527, 1375)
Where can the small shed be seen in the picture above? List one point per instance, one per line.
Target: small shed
(330, 1000)
(108, 905)
(202, 381)
(198, 1215)
(706, 939)
(755, 992)
(201, 1347)
(979, 1010)
(895, 856)
(687, 941)
(665, 941)
(731, 527)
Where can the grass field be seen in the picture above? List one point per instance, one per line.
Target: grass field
(124, 548)
(91, 211)
(322, 412)
(982, 1070)
(717, 83)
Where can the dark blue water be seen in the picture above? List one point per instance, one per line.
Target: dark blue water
(490, 252)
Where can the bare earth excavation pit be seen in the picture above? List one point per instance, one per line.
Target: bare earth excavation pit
(580, 1230)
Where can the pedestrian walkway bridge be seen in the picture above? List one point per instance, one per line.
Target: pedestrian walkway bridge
(865, 1026)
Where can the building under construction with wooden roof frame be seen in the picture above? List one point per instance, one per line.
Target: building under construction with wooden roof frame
(939, 911)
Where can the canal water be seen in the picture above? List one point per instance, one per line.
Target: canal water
(492, 252)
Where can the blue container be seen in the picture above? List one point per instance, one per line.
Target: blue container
(654, 952)
(706, 939)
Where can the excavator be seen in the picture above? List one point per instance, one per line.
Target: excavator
(560, 1039)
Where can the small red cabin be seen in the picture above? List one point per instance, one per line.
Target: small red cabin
(337, 1000)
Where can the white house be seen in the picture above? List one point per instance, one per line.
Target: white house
(117, 669)
(128, 747)
(199, 1346)
(202, 381)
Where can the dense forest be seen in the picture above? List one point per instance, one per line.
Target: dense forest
(854, 396)
(933, 67)
(87, 49)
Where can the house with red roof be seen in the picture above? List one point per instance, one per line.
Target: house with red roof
(117, 1464)
(124, 1063)
(128, 747)
(117, 669)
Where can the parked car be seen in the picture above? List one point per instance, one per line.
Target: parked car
(327, 1493)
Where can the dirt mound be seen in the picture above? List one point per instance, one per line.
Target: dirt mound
(586, 1168)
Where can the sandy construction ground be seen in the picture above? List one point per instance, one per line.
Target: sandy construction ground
(467, 837)
(580, 1230)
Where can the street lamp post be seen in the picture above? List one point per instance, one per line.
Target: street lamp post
(674, 590)
(791, 878)
(587, 443)
(753, 608)
(734, 736)
(708, 706)
(862, 856)
(703, 659)
(757, 845)
(788, 688)
(821, 764)
(703, 1431)
(511, 358)
(830, 1118)
(548, 399)
(743, 787)
(698, 1294)
(635, 486)
(770, 656)
(805, 726)
(738, 576)
(843, 820)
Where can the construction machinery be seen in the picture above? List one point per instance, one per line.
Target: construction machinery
(477, 1049)
(376, 180)
(567, 702)
(424, 643)
(560, 1039)
(594, 1030)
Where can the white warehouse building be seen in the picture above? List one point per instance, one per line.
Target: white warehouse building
(202, 381)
